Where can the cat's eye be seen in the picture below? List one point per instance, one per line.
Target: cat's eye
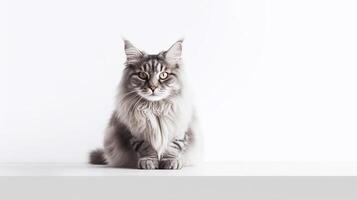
(163, 75)
(143, 75)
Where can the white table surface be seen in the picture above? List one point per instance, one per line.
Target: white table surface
(205, 169)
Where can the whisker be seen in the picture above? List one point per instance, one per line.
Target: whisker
(121, 97)
(133, 107)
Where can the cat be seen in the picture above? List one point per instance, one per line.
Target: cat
(154, 124)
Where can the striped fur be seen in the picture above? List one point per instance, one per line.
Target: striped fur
(153, 125)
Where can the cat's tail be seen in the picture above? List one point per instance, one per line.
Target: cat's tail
(96, 157)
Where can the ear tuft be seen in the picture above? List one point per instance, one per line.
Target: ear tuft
(173, 54)
(132, 53)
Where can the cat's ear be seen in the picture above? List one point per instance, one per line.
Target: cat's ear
(173, 54)
(133, 54)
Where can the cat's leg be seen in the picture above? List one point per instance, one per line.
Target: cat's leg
(184, 151)
(147, 156)
(173, 156)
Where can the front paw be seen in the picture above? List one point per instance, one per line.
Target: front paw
(148, 163)
(171, 163)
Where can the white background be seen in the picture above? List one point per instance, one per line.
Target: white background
(274, 80)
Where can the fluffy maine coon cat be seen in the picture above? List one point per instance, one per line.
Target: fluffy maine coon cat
(153, 125)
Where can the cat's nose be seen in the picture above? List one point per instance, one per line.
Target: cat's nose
(152, 87)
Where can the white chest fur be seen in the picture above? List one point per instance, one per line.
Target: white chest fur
(157, 122)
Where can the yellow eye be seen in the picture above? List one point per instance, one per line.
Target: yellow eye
(163, 75)
(142, 75)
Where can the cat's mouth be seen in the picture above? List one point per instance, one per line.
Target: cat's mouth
(152, 96)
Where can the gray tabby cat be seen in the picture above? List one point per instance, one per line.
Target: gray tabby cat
(153, 125)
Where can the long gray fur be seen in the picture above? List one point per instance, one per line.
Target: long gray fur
(153, 125)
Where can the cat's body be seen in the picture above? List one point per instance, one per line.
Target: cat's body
(154, 124)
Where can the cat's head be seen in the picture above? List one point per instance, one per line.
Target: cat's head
(153, 77)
